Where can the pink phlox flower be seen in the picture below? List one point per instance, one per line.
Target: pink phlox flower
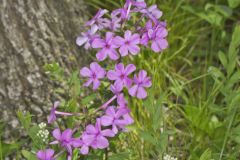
(94, 74)
(137, 3)
(96, 137)
(152, 12)
(47, 154)
(108, 48)
(64, 139)
(114, 23)
(116, 89)
(124, 13)
(83, 143)
(120, 74)
(121, 101)
(97, 18)
(52, 117)
(114, 118)
(128, 44)
(88, 37)
(157, 35)
(141, 81)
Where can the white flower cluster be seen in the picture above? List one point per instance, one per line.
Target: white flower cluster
(43, 132)
(168, 157)
(42, 125)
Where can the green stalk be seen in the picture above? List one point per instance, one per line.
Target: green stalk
(227, 133)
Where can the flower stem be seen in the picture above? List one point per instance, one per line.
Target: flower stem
(108, 102)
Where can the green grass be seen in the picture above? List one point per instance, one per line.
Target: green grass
(192, 111)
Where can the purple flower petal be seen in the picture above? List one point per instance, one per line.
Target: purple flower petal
(98, 43)
(127, 35)
(57, 133)
(41, 155)
(134, 49)
(135, 39)
(102, 142)
(112, 54)
(88, 139)
(112, 75)
(84, 150)
(123, 50)
(67, 134)
(85, 72)
(96, 84)
(142, 75)
(81, 40)
(49, 153)
(118, 41)
(90, 129)
(106, 120)
(101, 55)
(141, 93)
(88, 83)
(133, 90)
(130, 69)
(114, 129)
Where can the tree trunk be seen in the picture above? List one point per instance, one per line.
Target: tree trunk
(33, 33)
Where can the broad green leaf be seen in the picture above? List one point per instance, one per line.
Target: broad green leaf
(216, 73)
(233, 50)
(223, 10)
(223, 58)
(206, 155)
(25, 119)
(234, 3)
(75, 154)
(88, 99)
(28, 155)
(7, 149)
(148, 137)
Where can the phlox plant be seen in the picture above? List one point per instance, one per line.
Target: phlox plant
(113, 36)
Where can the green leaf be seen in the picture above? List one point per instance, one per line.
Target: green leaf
(223, 10)
(119, 156)
(233, 50)
(54, 71)
(216, 73)
(7, 149)
(148, 137)
(28, 155)
(88, 99)
(206, 155)
(234, 3)
(32, 132)
(75, 154)
(25, 119)
(223, 58)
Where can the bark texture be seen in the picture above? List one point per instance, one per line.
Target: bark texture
(33, 33)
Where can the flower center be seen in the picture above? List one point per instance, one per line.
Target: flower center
(94, 76)
(127, 42)
(107, 46)
(122, 76)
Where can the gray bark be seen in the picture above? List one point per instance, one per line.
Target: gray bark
(33, 33)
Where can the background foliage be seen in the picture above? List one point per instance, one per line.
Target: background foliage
(193, 108)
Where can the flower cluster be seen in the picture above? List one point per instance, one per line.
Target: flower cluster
(112, 38)
(168, 157)
(112, 44)
(43, 133)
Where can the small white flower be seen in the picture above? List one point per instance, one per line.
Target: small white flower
(43, 133)
(168, 157)
(42, 125)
